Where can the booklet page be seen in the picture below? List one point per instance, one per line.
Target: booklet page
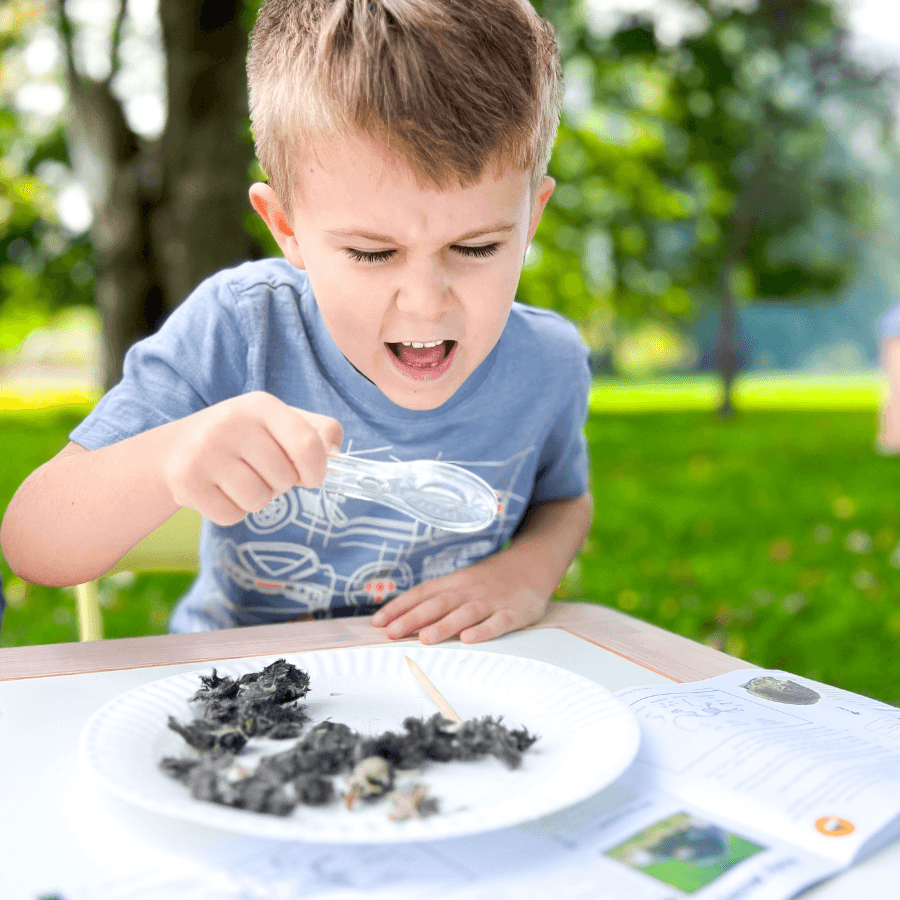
(619, 844)
(804, 762)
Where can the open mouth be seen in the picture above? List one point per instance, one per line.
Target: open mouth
(422, 355)
(422, 360)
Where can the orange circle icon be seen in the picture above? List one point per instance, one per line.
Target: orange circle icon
(834, 826)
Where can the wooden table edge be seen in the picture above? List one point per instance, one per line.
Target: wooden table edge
(661, 651)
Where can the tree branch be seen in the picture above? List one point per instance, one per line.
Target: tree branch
(116, 40)
(67, 33)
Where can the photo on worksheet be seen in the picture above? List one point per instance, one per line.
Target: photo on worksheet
(683, 851)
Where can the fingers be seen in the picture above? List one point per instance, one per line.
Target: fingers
(400, 605)
(423, 605)
(309, 447)
(458, 606)
(329, 430)
(305, 440)
(472, 622)
(501, 622)
(438, 618)
(236, 456)
(262, 453)
(218, 507)
(457, 621)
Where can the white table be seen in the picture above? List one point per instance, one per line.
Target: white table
(57, 829)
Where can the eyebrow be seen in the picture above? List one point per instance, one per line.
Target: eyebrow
(499, 228)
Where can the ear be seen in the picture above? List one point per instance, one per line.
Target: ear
(265, 201)
(540, 202)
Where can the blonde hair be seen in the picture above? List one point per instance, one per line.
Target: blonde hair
(451, 87)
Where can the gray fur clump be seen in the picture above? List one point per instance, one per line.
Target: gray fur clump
(258, 704)
(263, 705)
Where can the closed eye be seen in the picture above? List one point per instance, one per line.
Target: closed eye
(479, 251)
(370, 256)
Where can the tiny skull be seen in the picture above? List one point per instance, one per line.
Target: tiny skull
(371, 778)
(412, 802)
(782, 690)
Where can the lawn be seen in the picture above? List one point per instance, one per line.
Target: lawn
(774, 536)
(39, 615)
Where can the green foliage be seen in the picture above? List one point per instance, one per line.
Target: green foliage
(611, 234)
(775, 537)
(42, 267)
(714, 169)
(727, 151)
(768, 97)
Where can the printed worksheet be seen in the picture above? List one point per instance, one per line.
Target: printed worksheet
(753, 785)
(802, 761)
(615, 845)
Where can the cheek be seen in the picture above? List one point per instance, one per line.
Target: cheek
(350, 330)
(493, 294)
(343, 310)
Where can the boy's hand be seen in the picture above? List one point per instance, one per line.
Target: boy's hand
(237, 456)
(506, 591)
(478, 603)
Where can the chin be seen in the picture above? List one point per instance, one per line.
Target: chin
(419, 395)
(419, 400)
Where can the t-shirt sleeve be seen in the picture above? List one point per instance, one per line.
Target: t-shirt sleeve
(563, 466)
(197, 358)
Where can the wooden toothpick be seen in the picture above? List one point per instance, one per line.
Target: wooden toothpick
(445, 709)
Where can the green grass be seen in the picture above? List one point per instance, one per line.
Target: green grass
(31, 434)
(774, 536)
(761, 390)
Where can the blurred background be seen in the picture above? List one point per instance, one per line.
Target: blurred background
(723, 233)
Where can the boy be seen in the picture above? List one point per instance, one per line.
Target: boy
(405, 143)
(888, 440)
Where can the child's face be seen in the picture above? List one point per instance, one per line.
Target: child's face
(394, 265)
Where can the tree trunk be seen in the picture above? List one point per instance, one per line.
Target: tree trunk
(728, 350)
(783, 15)
(168, 213)
(206, 148)
(740, 232)
(122, 176)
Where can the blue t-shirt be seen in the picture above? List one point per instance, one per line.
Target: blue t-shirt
(517, 422)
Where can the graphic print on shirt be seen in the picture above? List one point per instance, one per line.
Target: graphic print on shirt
(319, 550)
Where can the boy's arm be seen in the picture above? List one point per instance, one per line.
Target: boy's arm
(77, 515)
(501, 593)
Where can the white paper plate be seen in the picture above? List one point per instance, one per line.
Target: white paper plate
(587, 738)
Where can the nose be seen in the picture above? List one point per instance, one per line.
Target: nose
(424, 293)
